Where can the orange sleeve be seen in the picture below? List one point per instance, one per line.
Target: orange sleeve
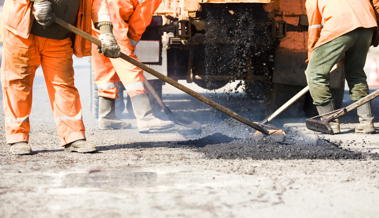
(315, 24)
(17, 17)
(100, 11)
(141, 18)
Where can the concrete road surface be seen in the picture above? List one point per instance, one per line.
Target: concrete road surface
(219, 172)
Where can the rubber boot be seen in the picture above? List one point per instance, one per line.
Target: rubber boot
(107, 115)
(326, 108)
(146, 121)
(366, 119)
(21, 148)
(119, 103)
(81, 146)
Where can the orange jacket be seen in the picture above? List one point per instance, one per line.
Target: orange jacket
(329, 19)
(18, 18)
(129, 18)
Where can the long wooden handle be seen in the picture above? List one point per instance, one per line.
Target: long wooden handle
(156, 96)
(342, 111)
(165, 78)
(286, 105)
(362, 101)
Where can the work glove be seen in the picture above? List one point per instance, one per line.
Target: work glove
(43, 13)
(109, 46)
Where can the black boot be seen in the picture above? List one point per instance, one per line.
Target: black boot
(366, 119)
(326, 108)
(144, 113)
(107, 115)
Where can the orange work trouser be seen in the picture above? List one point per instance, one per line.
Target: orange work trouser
(21, 58)
(109, 72)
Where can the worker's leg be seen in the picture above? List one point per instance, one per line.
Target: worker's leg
(132, 78)
(357, 80)
(56, 60)
(321, 62)
(107, 82)
(106, 77)
(318, 74)
(130, 75)
(355, 59)
(20, 61)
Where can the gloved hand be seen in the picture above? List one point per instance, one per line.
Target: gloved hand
(43, 13)
(109, 46)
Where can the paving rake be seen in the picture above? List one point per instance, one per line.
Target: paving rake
(324, 126)
(257, 126)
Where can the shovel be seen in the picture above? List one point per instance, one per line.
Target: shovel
(296, 97)
(173, 117)
(324, 126)
(170, 81)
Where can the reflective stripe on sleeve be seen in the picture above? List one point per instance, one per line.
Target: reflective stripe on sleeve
(11, 119)
(315, 26)
(77, 117)
(107, 86)
(322, 4)
(134, 43)
(134, 86)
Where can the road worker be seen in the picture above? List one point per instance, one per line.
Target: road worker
(337, 28)
(130, 19)
(33, 39)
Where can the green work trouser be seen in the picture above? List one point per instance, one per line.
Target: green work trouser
(354, 45)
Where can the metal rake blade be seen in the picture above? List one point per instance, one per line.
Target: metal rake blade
(319, 126)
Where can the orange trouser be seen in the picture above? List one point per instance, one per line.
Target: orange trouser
(130, 19)
(109, 72)
(21, 58)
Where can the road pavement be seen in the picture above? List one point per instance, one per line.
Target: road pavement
(219, 172)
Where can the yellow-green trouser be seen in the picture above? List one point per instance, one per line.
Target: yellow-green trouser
(354, 45)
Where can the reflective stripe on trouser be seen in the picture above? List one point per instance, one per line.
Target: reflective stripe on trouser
(111, 70)
(21, 58)
(354, 45)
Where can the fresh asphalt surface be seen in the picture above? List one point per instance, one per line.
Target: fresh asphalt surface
(177, 173)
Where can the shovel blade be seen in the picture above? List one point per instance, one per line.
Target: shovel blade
(319, 126)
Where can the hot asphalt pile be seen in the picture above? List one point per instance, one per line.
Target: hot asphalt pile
(220, 146)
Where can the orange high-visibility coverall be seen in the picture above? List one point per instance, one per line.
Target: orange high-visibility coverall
(130, 19)
(340, 17)
(23, 53)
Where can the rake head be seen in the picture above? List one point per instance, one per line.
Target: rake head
(319, 126)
